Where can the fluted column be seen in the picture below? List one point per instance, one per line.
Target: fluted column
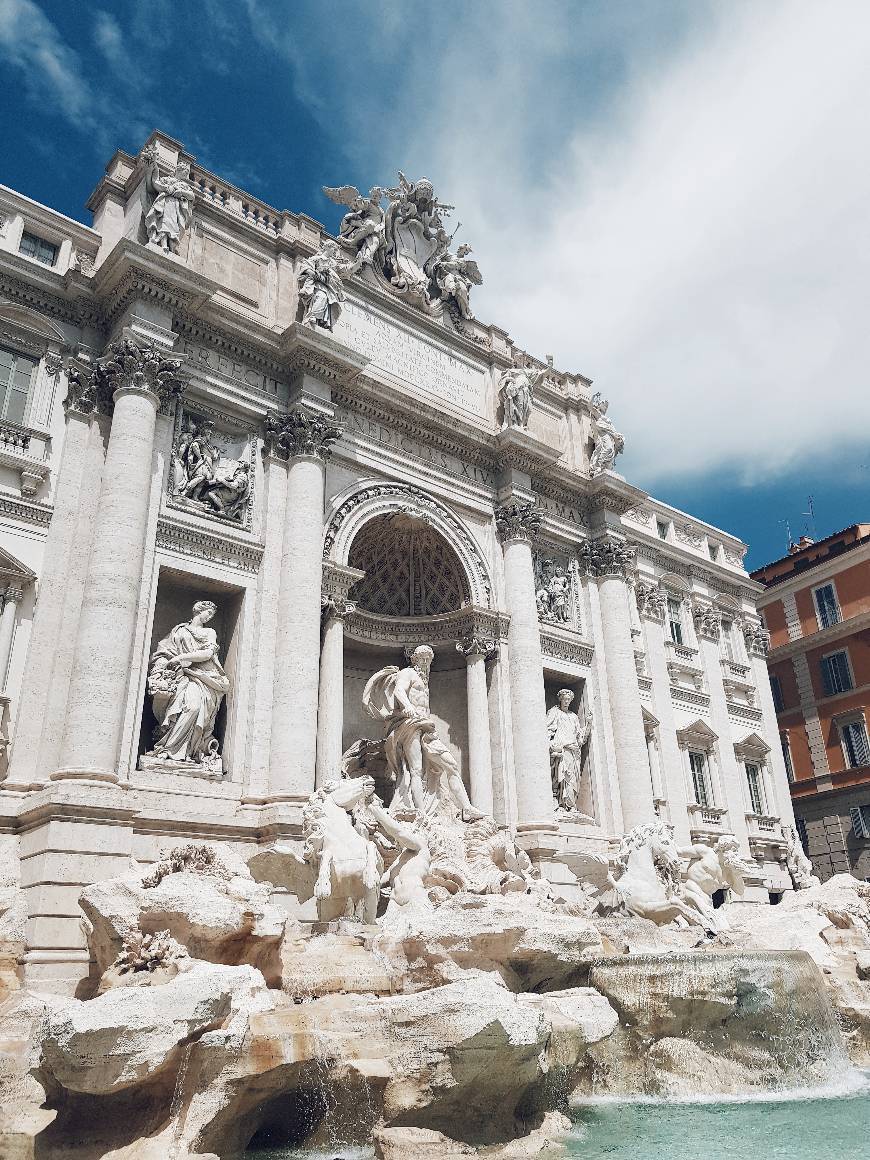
(140, 377)
(306, 439)
(517, 526)
(11, 599)
(476, 650)
(608, 561)
(330, 709)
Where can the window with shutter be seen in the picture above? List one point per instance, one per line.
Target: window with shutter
(827, 608)
(700, 782)
(16, 378)
(836, 676)
(786, 756)
(756, 792)
(860, 816)
(776, 690)
(854, 735)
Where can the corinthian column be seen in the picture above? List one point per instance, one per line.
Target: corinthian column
(476, 650)
(608, 561)
(306, 440)
(11, 599)
(517, 525)
(330, 710)
(139, 377)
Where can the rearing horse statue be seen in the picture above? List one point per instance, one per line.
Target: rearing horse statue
(349, 865)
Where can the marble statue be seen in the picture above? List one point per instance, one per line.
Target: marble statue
(607, 441)
(203, 480)
(567, 736)
(454, 275)
(413, 225)
(799, 866)
(425, 771)
(187, 684)
(320, 287)
(516, 388)
(559, 591)
(349, 864)
(363, 225)
(712, 868)
(171, 209)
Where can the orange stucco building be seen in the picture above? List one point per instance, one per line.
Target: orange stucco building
(817, 611)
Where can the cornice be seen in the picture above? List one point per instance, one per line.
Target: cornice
(674, 561)
(134, 271)
(32, 513)
(326, 358)
(215, 547)
(22, 284)
(815, 575)
(824, 636)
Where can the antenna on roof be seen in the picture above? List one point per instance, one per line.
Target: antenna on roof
(810, 517)
(788, 533)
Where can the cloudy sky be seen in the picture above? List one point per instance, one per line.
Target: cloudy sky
(671, 197)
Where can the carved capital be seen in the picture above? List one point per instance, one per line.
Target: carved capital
(652, 601)
(14, 594)
(87, 390)
(607, 556)
(53, 364)
(298, 432)
(757, 639)
(708, 621)
(336, 608)
(135, 366)
(517, 521)
(471, 646)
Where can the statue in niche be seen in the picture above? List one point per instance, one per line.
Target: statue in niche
(516, 390)
(427, 777)
(559, 590)
(206, 482)
(187, 683)
(171, 209)
(607, 442)
(363, 225)
(320, 287)
(567, 736)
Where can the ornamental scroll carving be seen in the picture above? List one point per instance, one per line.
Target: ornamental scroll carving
(708, 621)
(299, 432)
(126, 364)
(652, 601)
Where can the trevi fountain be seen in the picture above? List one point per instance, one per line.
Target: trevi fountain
(383, 774)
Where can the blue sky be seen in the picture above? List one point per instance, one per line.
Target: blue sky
(670, 197)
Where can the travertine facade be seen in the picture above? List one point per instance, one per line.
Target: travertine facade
(221, 405)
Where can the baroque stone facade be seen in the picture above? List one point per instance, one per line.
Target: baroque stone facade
(358, 468)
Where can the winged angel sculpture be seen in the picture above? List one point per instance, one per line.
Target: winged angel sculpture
(407, 244)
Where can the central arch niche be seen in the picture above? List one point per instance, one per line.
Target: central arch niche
(410, 569)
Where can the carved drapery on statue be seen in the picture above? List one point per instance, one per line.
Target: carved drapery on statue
(567, 734)
(320, 287)
(407, 245)
(557, 589)
(516, 389)
(187, 683)
(211, 470)
(607, 442)
(171, 207)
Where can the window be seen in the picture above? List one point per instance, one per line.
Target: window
(860, 816)
(700, 781)
(675, 620)
(786, 756)
(836, 676)
(16, 376)
(756, 788)
(38, 248)
(854, 737)
(776, 691)
(827, 608)
(801, 827)
(662, 529)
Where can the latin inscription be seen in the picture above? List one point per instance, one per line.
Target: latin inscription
(560, 511)
(393, 349)
(205, 357)
(373, 431)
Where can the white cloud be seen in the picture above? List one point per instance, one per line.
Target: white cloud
(49, 67)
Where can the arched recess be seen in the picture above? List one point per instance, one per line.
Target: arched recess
(369, 500)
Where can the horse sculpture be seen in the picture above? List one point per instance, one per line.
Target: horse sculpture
(349, 865)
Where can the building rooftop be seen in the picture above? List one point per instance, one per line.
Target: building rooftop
(808, 554)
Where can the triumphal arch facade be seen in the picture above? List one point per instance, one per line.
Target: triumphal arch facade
(269, 499)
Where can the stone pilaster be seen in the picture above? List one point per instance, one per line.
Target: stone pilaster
(305, 438)
(608, 560)
(140, 377)
(518, 525)
(476, 650)
(757, 641)
(330, 709)
(11, 599)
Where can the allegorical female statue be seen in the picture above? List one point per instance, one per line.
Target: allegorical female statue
(187, 684)
(172, 208)
(320, 288)
(568, 735)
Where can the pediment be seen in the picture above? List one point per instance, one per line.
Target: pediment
(753, 746)
(30, 322)
(698, 735)
(12, 569)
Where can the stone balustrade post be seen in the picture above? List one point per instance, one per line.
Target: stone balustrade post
(517, 525)
(11, 599)
(305, 438)
(139, 377)
(330, 711)
(608, 560)
(476, 650)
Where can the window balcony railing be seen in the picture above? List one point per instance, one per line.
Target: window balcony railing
(763, 825)
(703, 819)
(736, 670)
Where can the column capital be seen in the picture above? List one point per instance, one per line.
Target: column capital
(708, 621)
(143, 367)
(14, 594)
(757, 638)
(606, 556)
(517, 521)
(290, 434)
(651, 599)
(477, 646)
(87, 393)
(336, 608)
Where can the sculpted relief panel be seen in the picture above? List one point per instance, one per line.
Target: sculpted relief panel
(392, 348)
(212, 469)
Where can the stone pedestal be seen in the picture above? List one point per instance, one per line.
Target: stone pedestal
(475, 652)
(306, 440)
(141, 376)
(517, 525)
(607, 560)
